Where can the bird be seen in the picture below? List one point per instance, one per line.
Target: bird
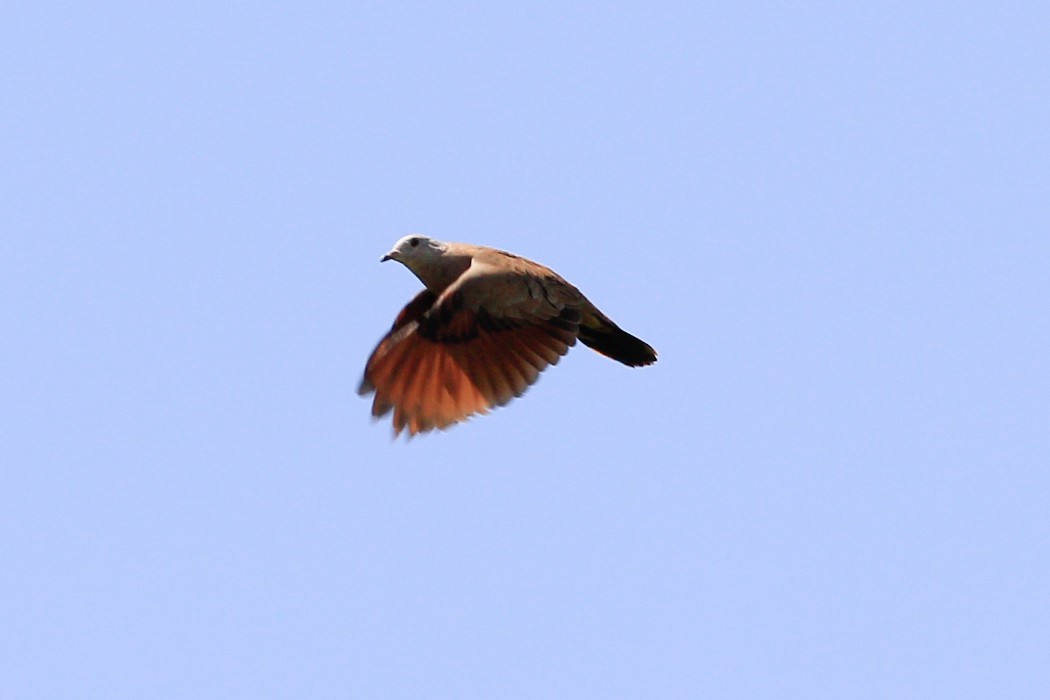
(486, 323)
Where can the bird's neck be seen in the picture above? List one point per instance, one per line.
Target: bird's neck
(439, 273)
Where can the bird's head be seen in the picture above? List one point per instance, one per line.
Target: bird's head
(414, 249)
(431, 261)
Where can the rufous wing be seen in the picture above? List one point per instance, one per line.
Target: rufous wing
(475, 347)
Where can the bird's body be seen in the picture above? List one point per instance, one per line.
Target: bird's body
(487, 323)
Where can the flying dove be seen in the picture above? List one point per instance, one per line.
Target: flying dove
(479, 334)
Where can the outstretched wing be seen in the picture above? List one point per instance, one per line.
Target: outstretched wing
(483, 342)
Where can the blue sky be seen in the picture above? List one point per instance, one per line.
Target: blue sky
(831, 219)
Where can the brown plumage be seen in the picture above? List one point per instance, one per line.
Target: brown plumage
(479, 334)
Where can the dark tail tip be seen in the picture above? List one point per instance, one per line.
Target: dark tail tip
(618, 344)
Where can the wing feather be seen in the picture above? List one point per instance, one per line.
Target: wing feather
(478, 345)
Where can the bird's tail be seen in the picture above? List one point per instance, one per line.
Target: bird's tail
(599, 333)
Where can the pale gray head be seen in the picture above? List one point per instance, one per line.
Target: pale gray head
(414, 248)
(431, 261)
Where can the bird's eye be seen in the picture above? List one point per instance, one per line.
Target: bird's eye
(413, 242)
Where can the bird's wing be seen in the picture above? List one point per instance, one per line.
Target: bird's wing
(479, 344)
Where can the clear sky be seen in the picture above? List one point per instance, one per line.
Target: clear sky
(832, 220)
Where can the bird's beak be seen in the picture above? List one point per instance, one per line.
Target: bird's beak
(385, 258)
